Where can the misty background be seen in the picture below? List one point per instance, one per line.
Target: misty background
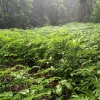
(32, 13)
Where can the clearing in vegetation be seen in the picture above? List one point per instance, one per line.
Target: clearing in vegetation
(50, 63)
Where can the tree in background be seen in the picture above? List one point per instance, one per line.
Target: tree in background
(14, 13)
(96, 11)
(85, 10)
(56, 11)
(37, 16)
(48, 12)
(26, 13)
(33, 13)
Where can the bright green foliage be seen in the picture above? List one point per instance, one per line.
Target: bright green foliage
(50, 63)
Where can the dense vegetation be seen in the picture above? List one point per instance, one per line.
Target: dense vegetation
(50, 63)
(32, 13)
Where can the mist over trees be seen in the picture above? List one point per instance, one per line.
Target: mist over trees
(32, 13)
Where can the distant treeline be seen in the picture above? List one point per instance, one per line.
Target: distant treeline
(33, 13)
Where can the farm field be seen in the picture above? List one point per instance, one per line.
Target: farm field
(50, 63)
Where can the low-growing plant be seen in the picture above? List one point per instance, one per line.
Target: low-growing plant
(50, 63)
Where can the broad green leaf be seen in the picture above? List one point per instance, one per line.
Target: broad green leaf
(58, 89)
(6, 94)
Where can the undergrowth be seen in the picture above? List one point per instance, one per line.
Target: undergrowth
(50, 63)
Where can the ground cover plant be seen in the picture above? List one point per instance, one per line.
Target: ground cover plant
(50, 63)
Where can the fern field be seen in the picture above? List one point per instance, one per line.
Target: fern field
(50, 63)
